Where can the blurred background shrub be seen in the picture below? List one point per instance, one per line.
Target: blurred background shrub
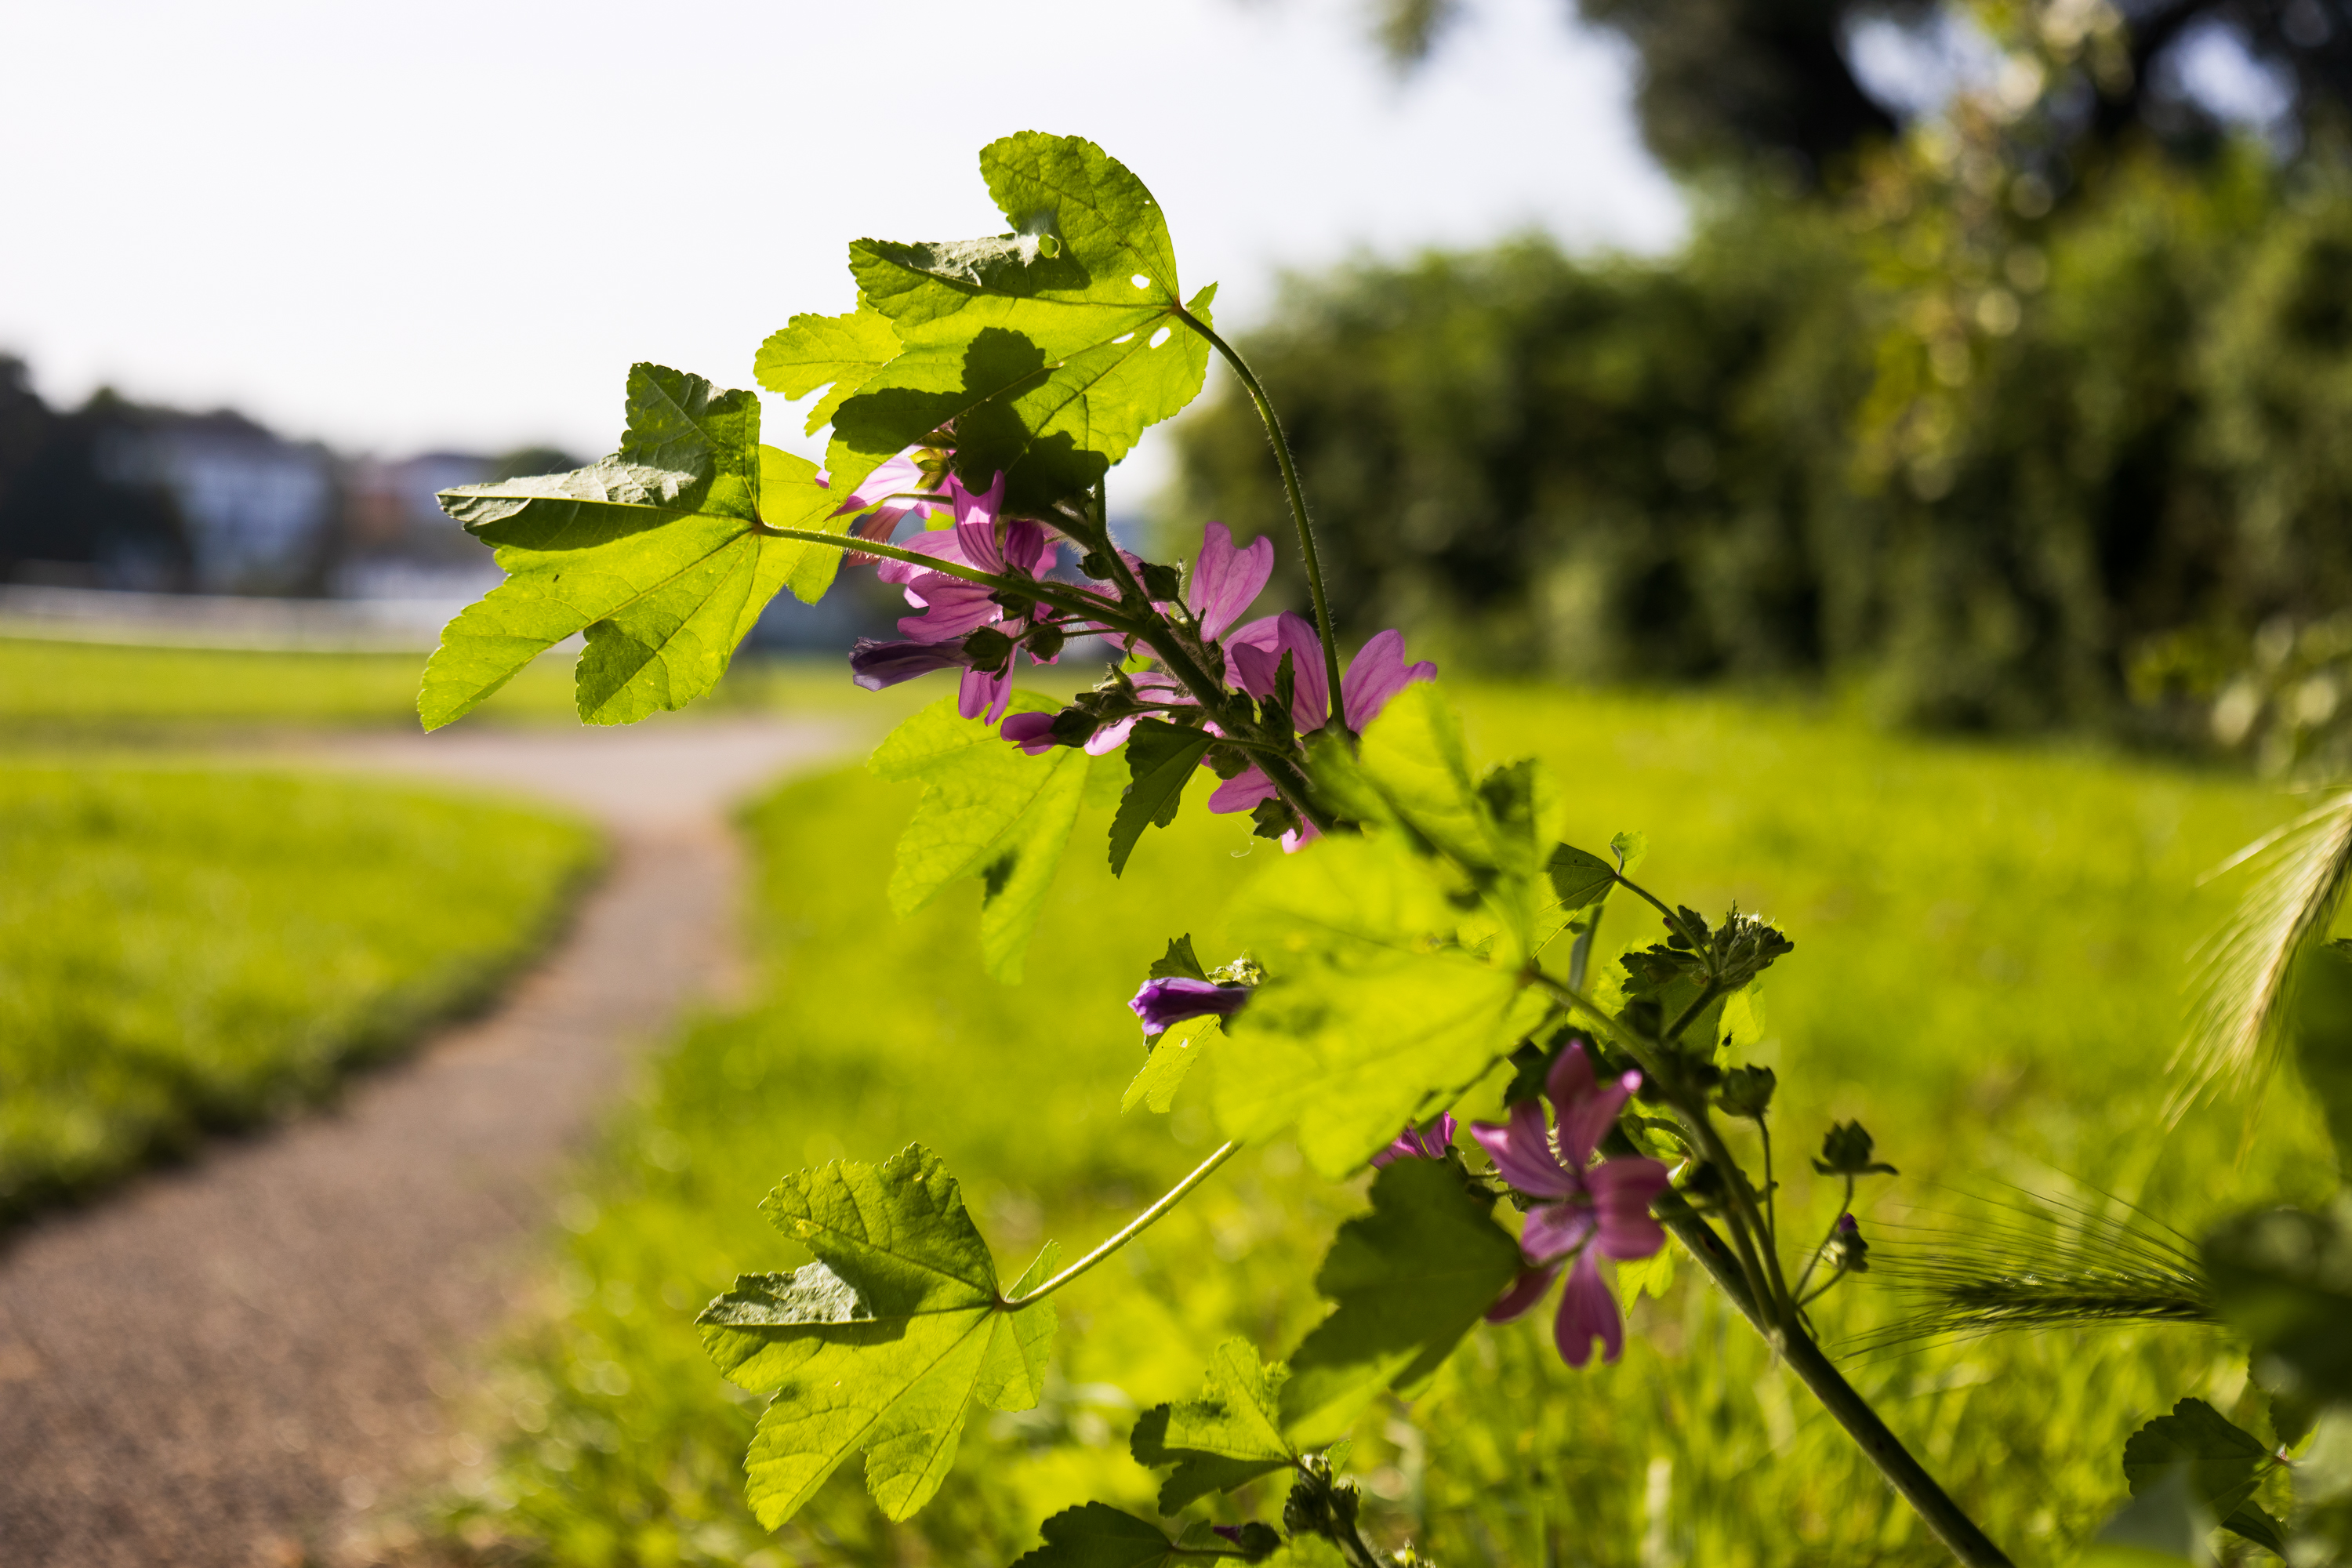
(1987, 372)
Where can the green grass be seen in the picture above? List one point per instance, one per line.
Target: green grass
(1987, 972)
(184, 949)
(77, 688)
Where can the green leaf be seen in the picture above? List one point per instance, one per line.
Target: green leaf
(1630, 847)
(1370, 1010)
(1179, 961)
(2222, 1462)
(654, 553)
(2284, 1278)
(987, 810)
(1408, 1280)
(840, 352)
(1175, 1054)
(883, 1342)
(1161, 759)
(2259, 1526)
(1050, 349)
(1229, 1435)
(1100, 1536)
(1579, 876)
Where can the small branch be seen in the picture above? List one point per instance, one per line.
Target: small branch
(1135, 1227)
(1955, 1529)
(1297, 506)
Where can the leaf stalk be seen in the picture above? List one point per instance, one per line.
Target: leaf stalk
(1134, 1227)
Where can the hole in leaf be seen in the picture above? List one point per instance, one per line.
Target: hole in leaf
(1140, 281)
(1160, 336)
(1123, 338)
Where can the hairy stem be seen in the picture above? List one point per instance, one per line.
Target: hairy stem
(1134, 1228)
(1297, 505)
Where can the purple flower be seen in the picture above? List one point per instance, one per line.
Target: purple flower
(1225, 579)
(1414, 1143)
(1587, 1211)
(1374, 679)
(874, 664)
(1032, 733)
(896, 488)
(1173, 998)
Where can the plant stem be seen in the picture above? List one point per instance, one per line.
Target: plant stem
(1135, 1227)
(1297, 505)
(1955, 1529)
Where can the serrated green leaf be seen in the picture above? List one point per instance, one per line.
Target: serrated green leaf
(1407, 1280)
(1368, 1014)
(2257, 1525)
(1630, 847)
(1161, 758)
(988, 810)
(1229, 1435)
(655, 553)
(1179, 961)
(1040, 346)
(1579, 876)
(2283, 1278)
(2222, 1461)
(883, 1342)
(1097, 1535)
(1175, 1054)
(811, 351)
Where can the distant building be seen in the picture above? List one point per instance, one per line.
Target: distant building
(257, 512)
(398, 542)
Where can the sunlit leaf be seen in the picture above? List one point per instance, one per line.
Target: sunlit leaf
(988, 810)
(839, 352)
(1407, 1281)
(1050, 349)
(1368, 1014)
(883, 1342)
(654, 553)
(1229, 1435)
(1100, 1536)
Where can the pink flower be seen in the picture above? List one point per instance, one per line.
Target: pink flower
(1414, 1143)
(894, 490)
(1588, 1211)
(1372, 680)
(1225, 579)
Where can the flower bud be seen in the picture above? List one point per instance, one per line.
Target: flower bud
(1747, 1092)
(1846, 1152)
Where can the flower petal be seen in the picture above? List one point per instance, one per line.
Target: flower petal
(1588, 1312)
(1622, 1191)
(1111, 737)
(1032, 733)
(1585, 1109)
(1525, 1291)
(1555, 1230)
(1225, 579)
(1242, 791)
(983, 695)
(1521, 1151)
(1376, 675)
(1170, 998)
(874, 664)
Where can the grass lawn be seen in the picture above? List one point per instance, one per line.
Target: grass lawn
(69, 691)
(1987, 972)
(186, 949)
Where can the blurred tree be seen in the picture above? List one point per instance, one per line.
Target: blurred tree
(1735, 78)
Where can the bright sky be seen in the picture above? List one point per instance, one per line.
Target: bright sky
(457, 224)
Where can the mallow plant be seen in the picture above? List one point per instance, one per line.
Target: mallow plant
(1425, 938)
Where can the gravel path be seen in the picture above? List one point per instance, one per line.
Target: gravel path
(228, 1364)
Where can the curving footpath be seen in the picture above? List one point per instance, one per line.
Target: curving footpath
(229, 1363)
